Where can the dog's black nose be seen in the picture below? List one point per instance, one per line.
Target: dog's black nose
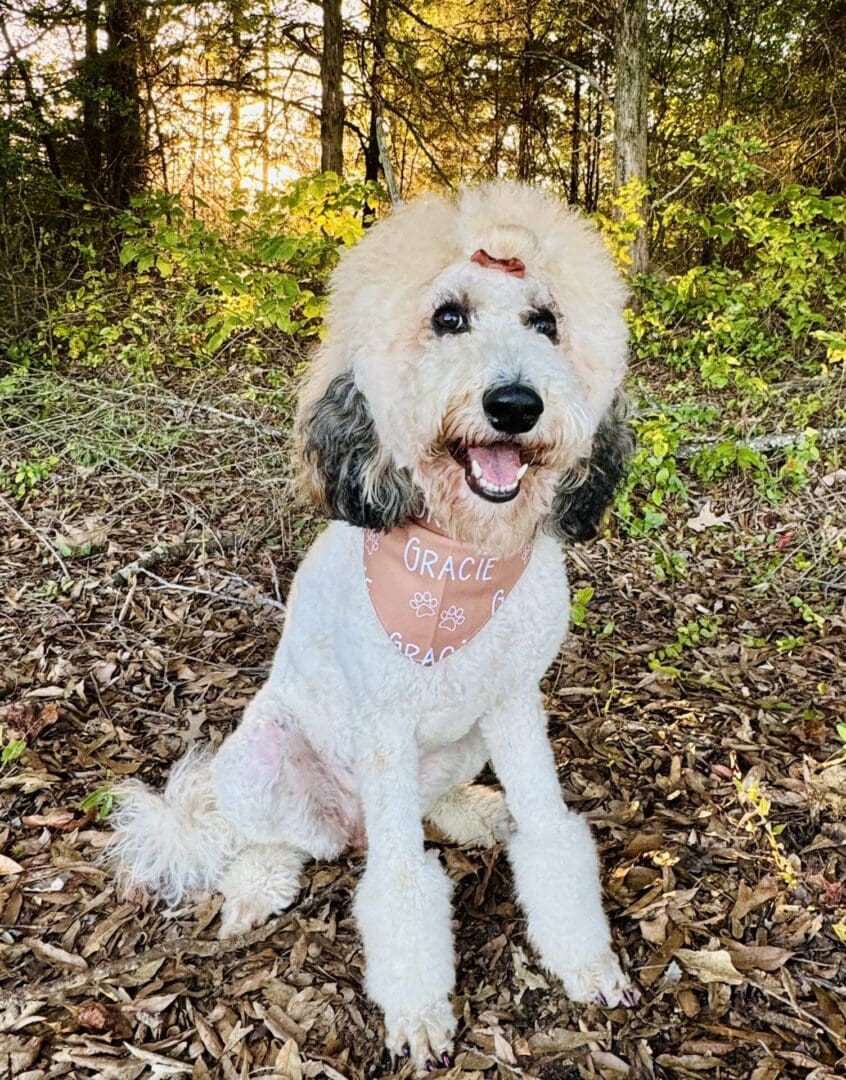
(513, 408)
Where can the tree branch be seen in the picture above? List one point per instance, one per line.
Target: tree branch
(825, 437)
(419, 140)
(44, 135)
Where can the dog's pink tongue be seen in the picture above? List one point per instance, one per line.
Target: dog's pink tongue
(499, 464)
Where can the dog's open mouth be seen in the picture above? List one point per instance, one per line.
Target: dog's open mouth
(493, 471)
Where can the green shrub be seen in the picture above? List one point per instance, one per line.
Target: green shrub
(185, 289)
(769, 297)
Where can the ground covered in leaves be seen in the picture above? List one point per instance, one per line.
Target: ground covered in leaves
(147, 540)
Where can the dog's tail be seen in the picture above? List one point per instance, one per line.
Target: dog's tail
(172, 843)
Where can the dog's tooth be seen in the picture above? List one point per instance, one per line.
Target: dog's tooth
(521, 472)
(476, 469)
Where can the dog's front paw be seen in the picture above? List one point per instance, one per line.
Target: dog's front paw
(600, 982)
(240, 914)
(423, 1035)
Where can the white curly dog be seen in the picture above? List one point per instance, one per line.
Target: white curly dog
(466, 399)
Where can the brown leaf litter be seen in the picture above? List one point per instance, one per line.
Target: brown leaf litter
(728, 920)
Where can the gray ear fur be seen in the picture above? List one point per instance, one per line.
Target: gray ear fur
(345, 470)
(578, 508)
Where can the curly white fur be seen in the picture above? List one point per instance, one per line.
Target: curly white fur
(348, 738)
(176, 842)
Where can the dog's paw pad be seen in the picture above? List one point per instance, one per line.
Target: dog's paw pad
(601, 982)
(424, 1036)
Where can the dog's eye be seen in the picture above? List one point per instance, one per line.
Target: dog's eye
(543, 321)
(450, 318)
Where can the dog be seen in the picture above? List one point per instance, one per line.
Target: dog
(461, 422)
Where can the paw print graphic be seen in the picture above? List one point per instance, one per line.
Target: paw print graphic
(451, 618)
(371, 542)
(423, 604)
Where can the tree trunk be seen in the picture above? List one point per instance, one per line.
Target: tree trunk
(630, 111)
(92, 147)
(266, 118)
(378, 34)
(123, 149)
(332, 78)
(528, 90)
(575, 141)
(593, 150)
(236, 76)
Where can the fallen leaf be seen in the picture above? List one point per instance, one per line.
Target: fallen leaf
(710, 966)
(472, 1060)
(103, 672)
(100, 1065)
(836, 477)
(654, 967)
(101, 1016)
(689, 1003)
(160, 1063)
(94, 1016)
(532, 980)
(707, 519)
(19, 1054)
(643, 842)
(833, 778)
(502, 1049)
(54, 819)
(748, 899)
(17, 718)
(655, 930)
(80, 540)
(757, 957)
(672, 976)
(9, 866)
(767, 1070)
(458, 865)
(707, 1046)
(52, 954)
(610, 1066)
(288, 1061)
(688, 1062)
(560, 1040)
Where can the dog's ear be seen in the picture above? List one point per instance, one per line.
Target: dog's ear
(346, 472)
(581, 500)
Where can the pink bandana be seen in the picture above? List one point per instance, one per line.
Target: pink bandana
(431, 593)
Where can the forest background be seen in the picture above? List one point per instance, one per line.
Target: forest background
(154, 215)
(176, 182)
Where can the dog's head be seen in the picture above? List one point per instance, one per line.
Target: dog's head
(472, 365)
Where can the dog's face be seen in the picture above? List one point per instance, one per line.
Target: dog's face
(472, 366)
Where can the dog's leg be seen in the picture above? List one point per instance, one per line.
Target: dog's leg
(275, 789)
(262, 881)
(554, 859)
(403, 907)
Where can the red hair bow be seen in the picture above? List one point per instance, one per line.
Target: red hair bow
(509, 266)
